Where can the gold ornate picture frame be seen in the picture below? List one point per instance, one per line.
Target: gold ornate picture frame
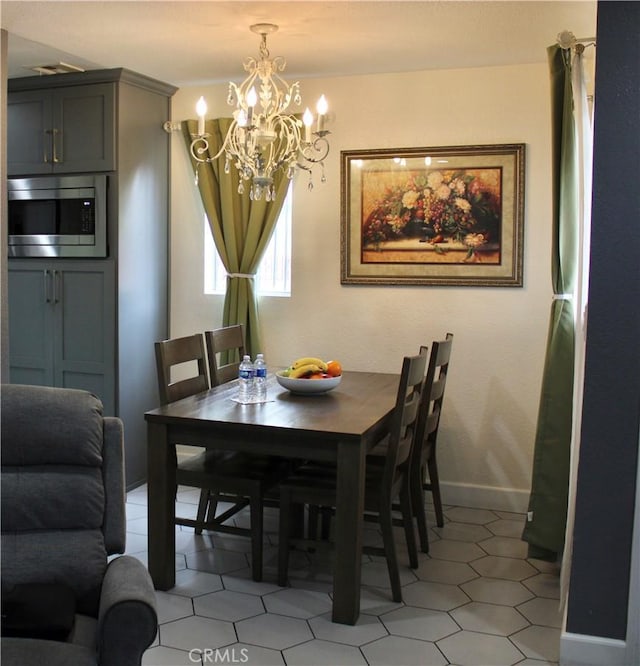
(442, 216)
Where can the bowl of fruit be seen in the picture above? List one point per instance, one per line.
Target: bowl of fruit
(310, 375)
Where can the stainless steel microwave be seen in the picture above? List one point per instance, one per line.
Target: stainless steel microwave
(58, 216)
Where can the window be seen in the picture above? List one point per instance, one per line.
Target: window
(274, 272)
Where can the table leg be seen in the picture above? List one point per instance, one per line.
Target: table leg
(161, 483)
(348, 536)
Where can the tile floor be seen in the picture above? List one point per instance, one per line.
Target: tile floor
(475, 600)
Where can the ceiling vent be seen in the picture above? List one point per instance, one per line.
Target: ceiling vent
(57, 68)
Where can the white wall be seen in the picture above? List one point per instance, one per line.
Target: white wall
(488, 424)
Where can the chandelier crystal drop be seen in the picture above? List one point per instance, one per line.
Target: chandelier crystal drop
(265, 135)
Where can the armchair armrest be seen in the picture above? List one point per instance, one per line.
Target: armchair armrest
(127, 619)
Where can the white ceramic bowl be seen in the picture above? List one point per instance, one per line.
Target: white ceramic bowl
(308, 386)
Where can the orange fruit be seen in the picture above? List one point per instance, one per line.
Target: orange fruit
(334, 368)
(316, 375)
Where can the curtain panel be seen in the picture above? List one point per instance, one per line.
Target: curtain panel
(241, 228)
(547, 513)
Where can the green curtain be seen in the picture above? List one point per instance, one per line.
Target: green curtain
(241, 228)
(545, 528)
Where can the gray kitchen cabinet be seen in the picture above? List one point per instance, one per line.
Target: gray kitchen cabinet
(62, 325)
(92, 323)
(63, 130)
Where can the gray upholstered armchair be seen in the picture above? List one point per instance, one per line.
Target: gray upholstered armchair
(62, 516)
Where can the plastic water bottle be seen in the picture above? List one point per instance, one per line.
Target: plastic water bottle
(260, 382)
(245, 380)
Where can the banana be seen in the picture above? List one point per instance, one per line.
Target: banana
(307, 360)
(304, 370)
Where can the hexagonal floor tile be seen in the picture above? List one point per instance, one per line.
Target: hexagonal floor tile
(216, 561)
(323, 653)
(462, 532)
(437, 596)
(545, 612)
(165, 656)
(422, 623)
(366, 629)
(441, 571)
(297, 602)
(508, 568)
(494, 591)
(489, 618)
(273, 631)
(468, 648)
(455, 551)
(376, 574)
(408, 651)
(191, 583)
(250, 655)
(228, 605)
(538, 642)
(463, 514)
(197, 633)
(172, 607)
(544, 585)
(505, 547)
(508, 528)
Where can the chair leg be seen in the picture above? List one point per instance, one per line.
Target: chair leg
(386, 526)
(202, 510)
(435, 489)
(283, 537)
(257, 520)
(407, 520)
(417, 506)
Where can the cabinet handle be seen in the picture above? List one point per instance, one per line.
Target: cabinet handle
(56, 287)
(46, 144)
(47, 283)
(56, 159)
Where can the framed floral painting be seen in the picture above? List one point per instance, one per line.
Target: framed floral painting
(446, 216)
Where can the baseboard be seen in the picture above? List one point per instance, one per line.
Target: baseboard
(484, 497)
(581, 650)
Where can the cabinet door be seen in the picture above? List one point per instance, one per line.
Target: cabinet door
(30, 324)
(84, 330)
(62, 326)
(84, 128)
(61, 130)
(29, 132)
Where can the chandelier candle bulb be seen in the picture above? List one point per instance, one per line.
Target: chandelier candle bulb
(201, 111)
(322, 107)
(307, 119)
(252, 100)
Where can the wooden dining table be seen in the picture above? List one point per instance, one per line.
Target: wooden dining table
(340, 426)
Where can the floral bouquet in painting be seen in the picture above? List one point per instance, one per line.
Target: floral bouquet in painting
(438, 206)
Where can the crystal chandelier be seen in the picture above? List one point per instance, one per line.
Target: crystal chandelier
(264, 135)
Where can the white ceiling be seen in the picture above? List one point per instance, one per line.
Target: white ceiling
(183, 42)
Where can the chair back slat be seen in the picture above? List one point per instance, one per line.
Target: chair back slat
(432, 397)
(225, 349)
(405, 419)
(179, 352)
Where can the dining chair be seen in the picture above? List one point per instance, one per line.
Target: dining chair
(225, 349)
(238, 478)
(424, 452)
(315, 484)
